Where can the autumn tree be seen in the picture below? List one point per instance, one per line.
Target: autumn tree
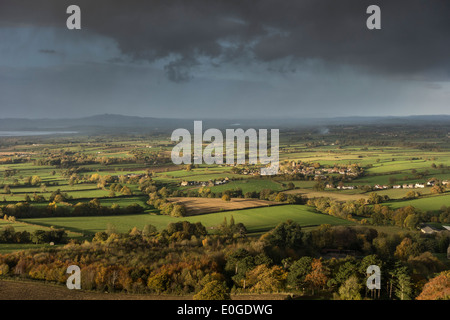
(36, 181)
(281, 197)
(437, 288)
(100, 236)
(317, 278)
(407, 248)
(126, 191)
(265, 279)
(179, 210)
(159, 281)
(438, 188)
(425, 264)
(411, 222)
(374, 198)
(214, 290)
(411, 195)
(319, 186)
(290, 186)
(350, 289)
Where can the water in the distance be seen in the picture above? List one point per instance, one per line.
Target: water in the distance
(32, 133)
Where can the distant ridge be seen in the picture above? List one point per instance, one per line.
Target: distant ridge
(116, 122)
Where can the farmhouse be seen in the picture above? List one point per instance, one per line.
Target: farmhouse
(429, 230)
(346, 187)
(218, 182)
(134, 175)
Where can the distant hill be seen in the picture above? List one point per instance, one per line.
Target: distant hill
(109, 122)
(120, 123)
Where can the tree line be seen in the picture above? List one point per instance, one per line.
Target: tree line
(9, 235)
(53, 209)
(185, 259)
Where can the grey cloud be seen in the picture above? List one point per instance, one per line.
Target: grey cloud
(179, 70)
(414, 38)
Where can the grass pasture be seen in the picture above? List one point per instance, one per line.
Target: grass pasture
(429, 203)
(337, 195)
(255, 220)
(12, 247)
(248, 185)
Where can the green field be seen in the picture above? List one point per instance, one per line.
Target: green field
(249, 185)
(255, 220)
(431, 203)
(18, 226)
(11, 247)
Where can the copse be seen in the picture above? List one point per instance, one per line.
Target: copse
(232, 229)
(185, 230)
(166, 207)
(9, 235)
(285, 235)
(54, 235)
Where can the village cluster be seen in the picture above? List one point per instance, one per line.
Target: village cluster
(316, 172)
(417, 185)
(319, 172)
(209, 183)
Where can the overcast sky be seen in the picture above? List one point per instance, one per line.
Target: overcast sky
(224, 58)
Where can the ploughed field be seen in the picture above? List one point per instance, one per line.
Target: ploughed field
(196, 206)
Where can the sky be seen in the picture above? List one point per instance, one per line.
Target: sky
(224, 58)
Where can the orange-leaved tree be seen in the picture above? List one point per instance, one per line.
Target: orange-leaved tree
(437, 288)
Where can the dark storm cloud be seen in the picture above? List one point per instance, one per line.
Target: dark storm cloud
(414, 38)
(179, 70)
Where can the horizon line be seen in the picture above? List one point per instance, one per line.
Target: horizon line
(221, 118)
